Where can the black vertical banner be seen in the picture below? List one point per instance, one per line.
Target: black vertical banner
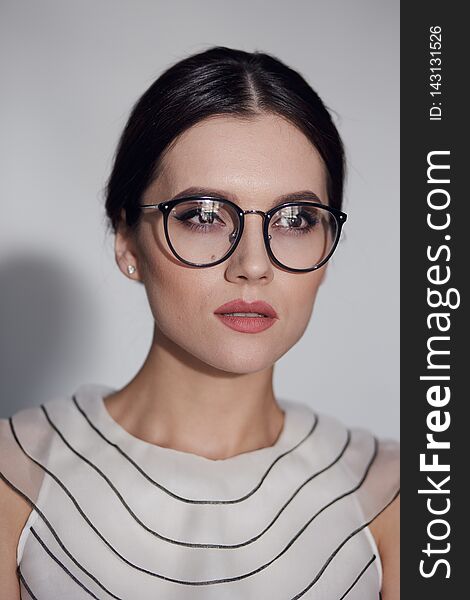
(435, 269)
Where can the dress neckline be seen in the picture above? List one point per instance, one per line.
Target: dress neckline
(91, 398)
(188, 475)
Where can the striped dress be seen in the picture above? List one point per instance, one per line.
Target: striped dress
(114, 516)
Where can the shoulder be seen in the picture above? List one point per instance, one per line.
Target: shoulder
(375, 461)
(386, 531)
(13, 474)
(385, 527)
(27, 440)
(23, 437)
(14, 512)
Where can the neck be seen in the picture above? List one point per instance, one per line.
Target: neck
(175, 401)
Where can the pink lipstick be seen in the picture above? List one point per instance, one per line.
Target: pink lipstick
(247, 317)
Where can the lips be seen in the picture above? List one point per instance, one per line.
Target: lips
(240, 306)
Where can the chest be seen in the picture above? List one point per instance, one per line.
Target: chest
(290, 538)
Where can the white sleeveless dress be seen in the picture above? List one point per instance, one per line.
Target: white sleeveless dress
(117, 517)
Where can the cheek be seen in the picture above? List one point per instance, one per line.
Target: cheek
(301, 299)
(166, 283)
(177, 296)
(167, 298)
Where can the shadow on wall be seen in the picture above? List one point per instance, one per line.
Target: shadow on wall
(45, 330)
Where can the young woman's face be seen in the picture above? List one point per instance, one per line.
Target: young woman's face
(252, 163)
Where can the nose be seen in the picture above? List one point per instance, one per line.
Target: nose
(250, 261)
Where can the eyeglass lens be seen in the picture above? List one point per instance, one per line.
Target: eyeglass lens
(203, 232)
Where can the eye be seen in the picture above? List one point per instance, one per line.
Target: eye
(205, 216)
(296, 220)
(199, 218)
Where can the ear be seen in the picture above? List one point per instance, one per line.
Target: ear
(125, 249)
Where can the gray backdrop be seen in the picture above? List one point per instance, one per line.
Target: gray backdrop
(70, 72)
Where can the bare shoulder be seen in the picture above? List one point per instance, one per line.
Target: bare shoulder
(14, 512)
(386, 531)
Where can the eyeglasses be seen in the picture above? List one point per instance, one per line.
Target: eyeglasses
(203, 231)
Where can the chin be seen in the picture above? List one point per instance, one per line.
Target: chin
(240, 367)
(240, 363)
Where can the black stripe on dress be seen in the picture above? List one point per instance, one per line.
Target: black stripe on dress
(176, 496)
(214, 581)
(61, 564)
(338, 548)
(293, 598)
(51, 554)
(54, 533)
(359, 576)
(178, 542)
(26, 586)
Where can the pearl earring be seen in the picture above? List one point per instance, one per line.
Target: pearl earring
(130, 269)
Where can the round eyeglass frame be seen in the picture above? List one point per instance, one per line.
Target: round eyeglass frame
(166, 206)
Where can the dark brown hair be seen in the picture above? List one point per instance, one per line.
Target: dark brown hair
(217, 81)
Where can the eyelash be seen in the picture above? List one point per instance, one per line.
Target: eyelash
(311, 222)
(185, 219)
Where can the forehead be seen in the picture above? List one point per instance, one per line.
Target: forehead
(260, 157)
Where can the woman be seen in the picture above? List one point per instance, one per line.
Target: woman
(194, 480)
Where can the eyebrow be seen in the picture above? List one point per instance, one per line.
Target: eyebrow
(290, 197)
